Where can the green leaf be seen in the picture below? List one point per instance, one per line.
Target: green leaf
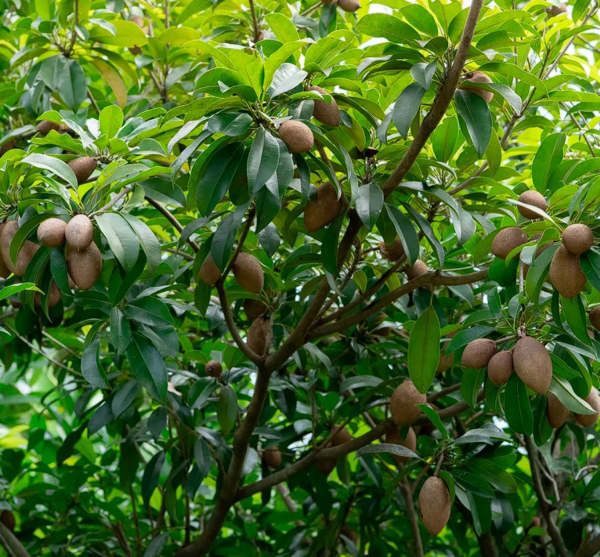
(284, 29)
(420, 18)
(8, 291)
(407, 107)
(549, 155)
(481, 509)
(263, 159)
(147, 240)
(537, 274)
(424, 349)
(55, 166)
(369, 204)
(111, 120)
(406, 232)
(149, 311)
(391, 448)
(152, 475)
(423, 73)
(475, 113)
(202, 456)
(120, 330)
(122, 240)
(148, 366)
(329, 248)
(517, 407)
(576, 317)
(24, 232)
(72, 85)
(387, 27)
(91, 368)
(227, 408)
(565, 393)
(435, 419)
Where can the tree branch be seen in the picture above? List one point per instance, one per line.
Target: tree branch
(412, 516)
(176, 224)
(11, 544)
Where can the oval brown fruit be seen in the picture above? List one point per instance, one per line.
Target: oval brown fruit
(323, 208)
(507, 240)
(79, 232)
(83, 168)
(578, 238)
(53, 297)
(297, 136)
(8, 519)
(254, 308)
(393, 436)
(51, 233)
(328, 114)
(248, 271)
(556, 412)
(46, 126)
(213, 368)
(566, 274)
(595, 318)
(403, 403)
(557, 10)
(85, 266)
(349, 5)
(500, 367)
(260, 335)
(434, 505)
(478, 77)
(25, 254)
(416, 270)
(478, 353)
(533, 364)
(535, 198)
(392, 252)
(588, 420)
(272, 457)
(340, 436)
(4, 269)
(209, 273)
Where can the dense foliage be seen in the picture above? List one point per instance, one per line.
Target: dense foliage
(269, 268)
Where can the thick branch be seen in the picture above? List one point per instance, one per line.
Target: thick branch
(11, 544)
(589, 548)
(412, 516)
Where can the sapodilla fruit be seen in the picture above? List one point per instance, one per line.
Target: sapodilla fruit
(248, 272)
(51, 233)
(340, 436)
(213, 369)
(566, 274)
(416, 270)
(507, 240)
(323, 208)
(588, 420)
(297, 136)
(533, 364)
(578, 238)
(272, 457)
(557, 10)
(393, 436)
(25, 255)
(326, 466)
(4, 270)
(500, 367)
(79, 233)
(349, 5)
(328, 114)
(46, 126)
(434, 505)
(392, 252)
(254, 308)
(535, 198)
(53, 297)
(477, 77)
(595, 318)
(403, 403)
(6, 147)
(7, 518)
(260, 335)
(83, 168)
(209, 273)
(478, 353)
(556, 412)
(84, 265)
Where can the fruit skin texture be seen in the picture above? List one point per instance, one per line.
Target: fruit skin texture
(403, 403)
(25, 255)
(535, 198)
(341, 436)
(254, 308)
(8, 519)
(588, 420)
(84, 266)
(213, 369)
(46, 126)
(83, 168)
(478, 353)
(323, 208)
(260, 335)
(533, 364)
(209, 272)
(393, 436)
(79, 232)
(507, 240)
(349, 5)
(578, 238)
(416, 270)
(297, 136)
(248, 272)
(556, 412)
(500, 367)
(4, 269)
(478, 77)
(326, 466)
(51, 233)
(566, 274)
(392, 252)
(434, 505)
(272, 457)
(54, 297)
(595, 318)
(328, 114)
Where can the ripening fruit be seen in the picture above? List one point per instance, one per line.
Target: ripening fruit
(434, 505)
(260, 335)
(328, 114)
(83, 168)
(323, 208)
(478, 353)
(213, 369)
(557, 10)
(392, 252)
(349, 5)
(46, 126)
(254, 308)
(556, 412)
(248, 271)
(393, 436)
(535, 198)
(595, 318)
(53, 298)
(8, 520)
(25, 255)
(507, 240)
(533, 364)
(327, 465)
(340, 436)
(4, 269)
(209, 272)
(297, 136)
(416, 270)
(566, 274)
(272, 457)
(478, 77)
(8, 146)
(578, 238)
(79, 232)
(588, 420)
(84, 265)
(500, 367)
(51, 233)
(403, 403)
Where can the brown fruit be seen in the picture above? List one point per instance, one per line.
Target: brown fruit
(327, 466)
(434, 505)
(138, 20)
(557, 10)
(83, 168)
(392, 252)
(272, 457)
(556, 412)
(323, 208)
(25, 255)
(595, 318)
(478, 77)
(535, 198)
(6, 147)
(507, 240)
(533, 364)
(213, 369)
(578, 238)
(340, 436)
(46, 126)
(538, 252)
(4, 269)
(566, 274)
(260, 335)
(349, 5)
(54, 297)
(8, 519)
(248, 271)
(500, 367)
(51, 233)
(328, 114)
(478, 353)
(254, 308)
(297, 136)
(403, 403)
(79, 232)
(393, 436)
(588, 420)
(84, 265)
(209, 272)
(416, 270)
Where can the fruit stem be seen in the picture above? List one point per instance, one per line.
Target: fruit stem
(439, 465)
(505, 339)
